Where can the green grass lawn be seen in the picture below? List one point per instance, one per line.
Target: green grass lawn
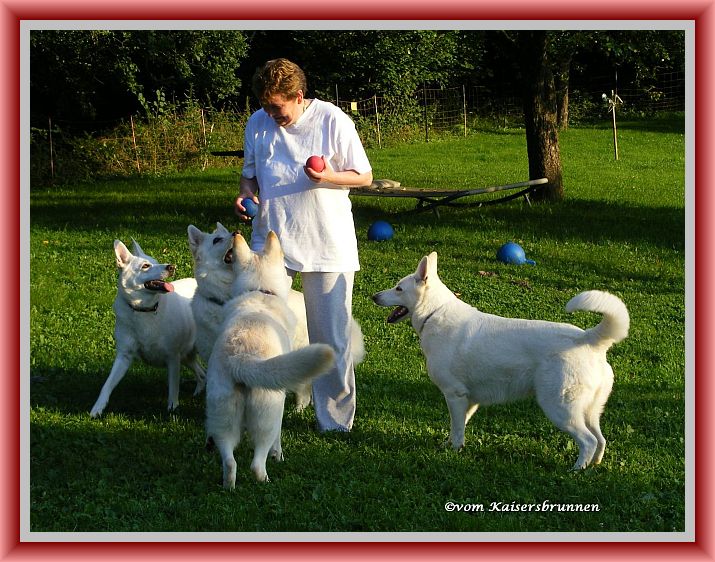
(621, 228)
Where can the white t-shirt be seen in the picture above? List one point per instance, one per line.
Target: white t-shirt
(314, 223)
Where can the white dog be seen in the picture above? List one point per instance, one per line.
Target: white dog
(213, 271)
(212, 254)
(477, 358)
(153, 321)
(254, 362)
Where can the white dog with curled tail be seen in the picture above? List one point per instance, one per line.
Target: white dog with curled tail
(254, 361)
(478, 358)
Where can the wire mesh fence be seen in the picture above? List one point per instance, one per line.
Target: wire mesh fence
(178, 141)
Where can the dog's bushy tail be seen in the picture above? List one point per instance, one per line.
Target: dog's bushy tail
(285, 372)
(616, 321)
(357, 343)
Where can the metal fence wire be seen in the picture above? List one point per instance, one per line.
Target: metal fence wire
(173, 142)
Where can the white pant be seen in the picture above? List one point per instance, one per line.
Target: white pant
(328, 307)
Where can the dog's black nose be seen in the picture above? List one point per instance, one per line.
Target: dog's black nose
(171, 268)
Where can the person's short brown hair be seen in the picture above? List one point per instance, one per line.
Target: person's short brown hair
(278, 76)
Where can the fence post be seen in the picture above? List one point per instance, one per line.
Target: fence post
(203, 128)
(377, 122)
(464, 108)
(615, 98)
(615, 134)
(52, 151)
(424, 98)
(134, 141)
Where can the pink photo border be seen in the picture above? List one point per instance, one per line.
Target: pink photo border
(13, 12)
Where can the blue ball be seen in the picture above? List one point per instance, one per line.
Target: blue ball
(251, 207)
(380, 230)
(513, 254)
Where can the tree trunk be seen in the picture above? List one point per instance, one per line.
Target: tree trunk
(561, 82)
(542, 139)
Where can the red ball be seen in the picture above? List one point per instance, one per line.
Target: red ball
(316, 163)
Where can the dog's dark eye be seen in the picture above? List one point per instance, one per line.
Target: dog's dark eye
(217, 240)
(146, 265)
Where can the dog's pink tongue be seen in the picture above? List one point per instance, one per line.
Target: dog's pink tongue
(159, 285)
(396, 314)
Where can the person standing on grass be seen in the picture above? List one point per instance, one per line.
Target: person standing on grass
(310, 212)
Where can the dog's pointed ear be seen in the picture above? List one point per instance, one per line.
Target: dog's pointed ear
(123, 255)
(272, 249)
(427, 268)
(432, 264)
(422, 272)
(221, 227)
(242, 254)
(137, 248)
(195, 238)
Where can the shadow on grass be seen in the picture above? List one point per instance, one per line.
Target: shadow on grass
(392, 473)
(141, 395)
(163, 207)
(571, 220)
(665, 123)
(158, 206)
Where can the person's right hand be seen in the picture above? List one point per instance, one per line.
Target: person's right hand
(240, 210)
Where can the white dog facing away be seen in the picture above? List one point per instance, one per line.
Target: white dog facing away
(213, 269)
(153, 321)
(254, 360)
(477, 358)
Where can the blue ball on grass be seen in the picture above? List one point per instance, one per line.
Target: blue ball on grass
(380, 230)
(513, 254)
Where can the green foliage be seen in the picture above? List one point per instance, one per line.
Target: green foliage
(395, 63)
(85, 75)
(79, 74)
(621, 228)
(646, 51)
(169, 139)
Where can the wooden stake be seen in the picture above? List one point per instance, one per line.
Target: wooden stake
(203, 128)
(52, 152)
(615, 134)
(377, 122)
(464, 108)
(134, 141)
(424, 98)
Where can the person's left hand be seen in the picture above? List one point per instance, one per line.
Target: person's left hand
(319, 177)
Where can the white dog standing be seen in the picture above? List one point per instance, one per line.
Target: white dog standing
(213, 269)
(477, 358)
(254, 362)
(153, 321)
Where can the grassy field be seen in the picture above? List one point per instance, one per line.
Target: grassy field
(621, 228)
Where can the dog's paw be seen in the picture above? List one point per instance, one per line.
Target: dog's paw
(96, 411)
(447, 445)
(455, 446)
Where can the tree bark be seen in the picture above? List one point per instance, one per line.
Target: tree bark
(542, 139)
(561, 81)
